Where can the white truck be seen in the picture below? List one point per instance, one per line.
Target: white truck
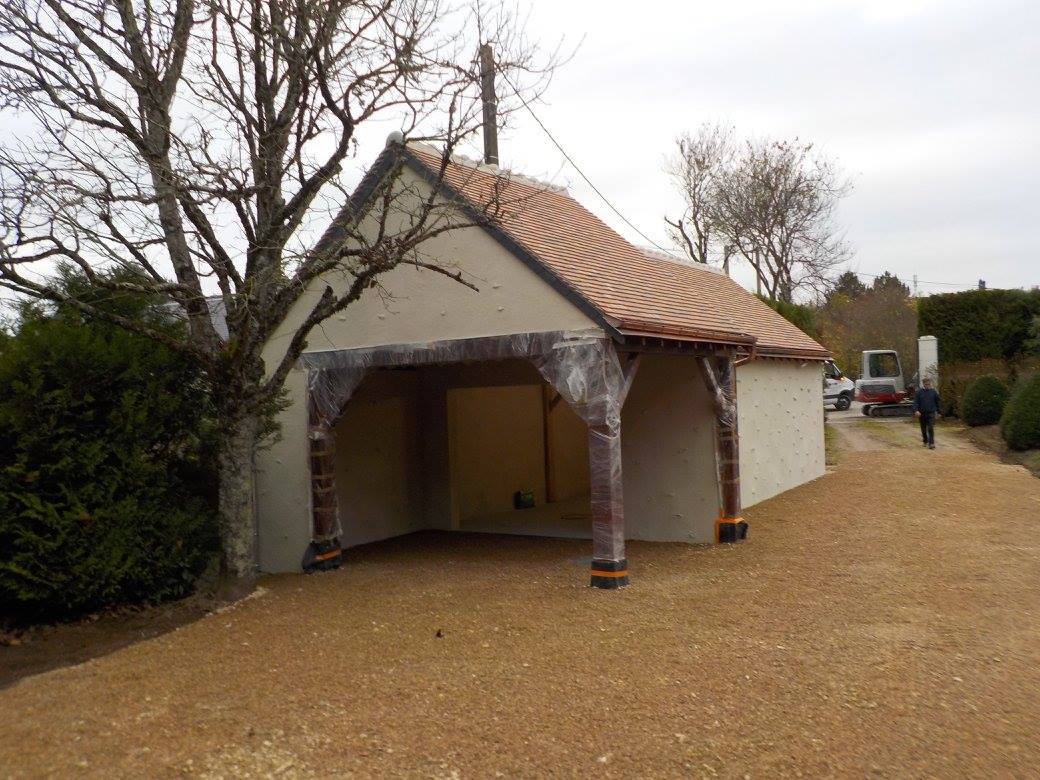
(838, 389)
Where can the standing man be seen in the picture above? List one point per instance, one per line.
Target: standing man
(926, 408)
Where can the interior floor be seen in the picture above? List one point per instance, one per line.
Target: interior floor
(563, 519)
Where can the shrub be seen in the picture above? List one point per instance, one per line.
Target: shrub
(104, 490)
(955, 378)
(984, 401)
(1020, 424)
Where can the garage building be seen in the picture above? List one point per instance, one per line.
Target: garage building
(585, 389)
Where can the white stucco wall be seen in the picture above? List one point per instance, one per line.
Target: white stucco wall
(379, 459)
(668, 455)
(415, 305)
(780, 420)
(283, 496)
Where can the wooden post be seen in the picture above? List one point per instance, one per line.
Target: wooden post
(550, 400)
(322, 446)
(609, 565)
(721, 381)
(323, 553)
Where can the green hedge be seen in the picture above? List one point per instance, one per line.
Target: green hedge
(1020, 424)
(979, 324)
(984, 401)
(105, 489)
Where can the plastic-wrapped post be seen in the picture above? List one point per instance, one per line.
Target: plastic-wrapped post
(588, 374)
(609, 564)
(328, 391)
(720, 378)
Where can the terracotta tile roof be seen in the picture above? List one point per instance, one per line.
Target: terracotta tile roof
(636, 292)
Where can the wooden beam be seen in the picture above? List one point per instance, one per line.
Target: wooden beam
(628, 370)
(550, 398)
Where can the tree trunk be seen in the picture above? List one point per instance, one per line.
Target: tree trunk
(238, 560)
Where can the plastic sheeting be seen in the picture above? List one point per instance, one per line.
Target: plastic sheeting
(587, 373)
(328, 392)
(582, 366)
(720, 378)
(723, 388)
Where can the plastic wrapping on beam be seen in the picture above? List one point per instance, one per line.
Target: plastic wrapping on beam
(722, 385)
(582, 366)
(587, 373)
(329, 390)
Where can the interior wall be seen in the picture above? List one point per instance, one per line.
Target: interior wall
(379, 459)
(436, 382)
(668, 455)
(567, 436)
(496, 448)
(498, 432)
(780, 420)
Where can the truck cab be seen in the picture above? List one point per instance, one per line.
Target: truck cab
(881, 381)
(838, 389)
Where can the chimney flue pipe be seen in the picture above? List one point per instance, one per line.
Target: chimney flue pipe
(490, 102)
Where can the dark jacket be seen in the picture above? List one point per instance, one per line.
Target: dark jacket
(926, 401)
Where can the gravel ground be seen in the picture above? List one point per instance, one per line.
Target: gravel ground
(883, 620)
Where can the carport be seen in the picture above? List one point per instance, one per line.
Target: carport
(583, 369)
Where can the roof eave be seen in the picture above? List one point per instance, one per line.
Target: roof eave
(720, 338)
(793, 354)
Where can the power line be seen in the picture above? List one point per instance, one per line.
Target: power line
(578, 169)
(628, 222)
(918, 281)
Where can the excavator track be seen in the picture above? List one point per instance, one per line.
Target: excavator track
(888, 410)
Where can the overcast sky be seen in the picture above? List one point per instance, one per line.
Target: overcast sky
(932, 107)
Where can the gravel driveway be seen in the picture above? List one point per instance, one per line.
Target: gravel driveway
(883, 620)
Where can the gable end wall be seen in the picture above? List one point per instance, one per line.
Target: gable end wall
(414, 305)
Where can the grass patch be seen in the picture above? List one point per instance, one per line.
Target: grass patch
(830, 445)
(1031, 460)
(886, 432)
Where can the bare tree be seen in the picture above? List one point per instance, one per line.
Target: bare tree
(699, 168)
(771, 202)
(777, 208)
(199, 143)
